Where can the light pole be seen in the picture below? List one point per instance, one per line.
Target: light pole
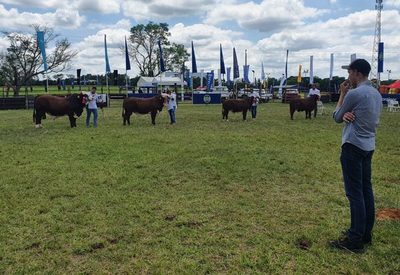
(389, 72)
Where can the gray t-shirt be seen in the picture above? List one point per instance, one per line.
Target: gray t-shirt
(366, 104)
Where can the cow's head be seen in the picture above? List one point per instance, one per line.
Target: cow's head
(160, 102)
(77, 103)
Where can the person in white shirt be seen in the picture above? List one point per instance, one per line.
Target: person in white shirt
(314, 91)
(172, 106)
(255, 99)
(92, 108)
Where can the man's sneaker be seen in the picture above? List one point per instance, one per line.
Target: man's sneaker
(346, 244)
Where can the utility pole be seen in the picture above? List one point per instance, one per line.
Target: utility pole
(375, 74)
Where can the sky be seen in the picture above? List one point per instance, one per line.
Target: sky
(266, 29)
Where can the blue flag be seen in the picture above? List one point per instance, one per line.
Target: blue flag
(42, 47)
(162, 66)
(127, 62)
(235, 65)
(221, 60)
(380, 57)
(108, 70)
(228, 74)
(246, 73)
(210, 81)
(194, 65)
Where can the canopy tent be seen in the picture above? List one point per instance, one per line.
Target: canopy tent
(394, 85)
(149, 82)
(145, 82)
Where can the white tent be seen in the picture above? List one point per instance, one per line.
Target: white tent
(161, 80)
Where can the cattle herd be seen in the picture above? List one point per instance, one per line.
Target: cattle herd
(74, 104)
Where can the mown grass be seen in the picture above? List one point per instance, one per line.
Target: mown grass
(201, 196)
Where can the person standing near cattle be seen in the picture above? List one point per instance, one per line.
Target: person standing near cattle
(171, 105)
(314, 91)
(254, 103)
(92, 108)
(360, 109)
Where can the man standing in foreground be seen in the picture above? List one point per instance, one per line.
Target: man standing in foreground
(360, 109)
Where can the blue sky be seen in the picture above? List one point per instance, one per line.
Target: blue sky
(265, 28)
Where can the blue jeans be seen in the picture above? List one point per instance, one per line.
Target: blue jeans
(172, 115)
(253, 111)
(95, 115)
(356, 168)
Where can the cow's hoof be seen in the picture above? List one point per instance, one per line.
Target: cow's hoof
(38, 126)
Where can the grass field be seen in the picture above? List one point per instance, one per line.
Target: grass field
(201, 196)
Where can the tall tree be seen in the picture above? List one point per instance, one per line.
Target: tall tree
(175, 56)
(144, 49)
(22, 61)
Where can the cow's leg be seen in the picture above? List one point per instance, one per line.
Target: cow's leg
(292, 110)
(72, 120)
(124, 116)
(225, 114)
(128, 117)
(315, 111)
(153, 117)
(244, 115)
(38, 119)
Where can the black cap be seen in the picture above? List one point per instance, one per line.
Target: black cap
(360, 65)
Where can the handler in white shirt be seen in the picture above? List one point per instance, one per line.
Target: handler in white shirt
(314, 91)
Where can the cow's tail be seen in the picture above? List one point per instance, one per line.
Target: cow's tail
(34, 109)
(123, 111)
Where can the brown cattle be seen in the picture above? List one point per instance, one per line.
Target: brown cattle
(308, 105)
(58, 106)
(236, 105)
(142, 106)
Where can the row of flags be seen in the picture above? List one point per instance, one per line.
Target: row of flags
(223, 70)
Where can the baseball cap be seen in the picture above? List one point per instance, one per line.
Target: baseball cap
(360, 65)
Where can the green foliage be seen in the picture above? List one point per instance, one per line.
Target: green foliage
(145, 52)
(21, 64)
(201, 196)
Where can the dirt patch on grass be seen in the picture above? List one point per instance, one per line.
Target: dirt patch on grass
(388, 214)
(303, 243)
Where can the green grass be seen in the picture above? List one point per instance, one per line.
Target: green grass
(201, 196)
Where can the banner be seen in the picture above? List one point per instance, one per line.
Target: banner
(380, 57)
(78, 76)
(228, 74)
(194, 65)
(42, 47)
(210, 81)
(246, 74)
(235, 65)
(331, 68)
(221, 60)
(311, 69)
(162, 66)
(262, 72)
(299, 75)
(108, 70)
(127, 61)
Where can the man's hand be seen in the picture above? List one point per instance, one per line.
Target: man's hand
(345, 87)
(349, 117)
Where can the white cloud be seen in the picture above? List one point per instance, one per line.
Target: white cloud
(142, 10)
(268, 16)
(392, 3)
(12, 19)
